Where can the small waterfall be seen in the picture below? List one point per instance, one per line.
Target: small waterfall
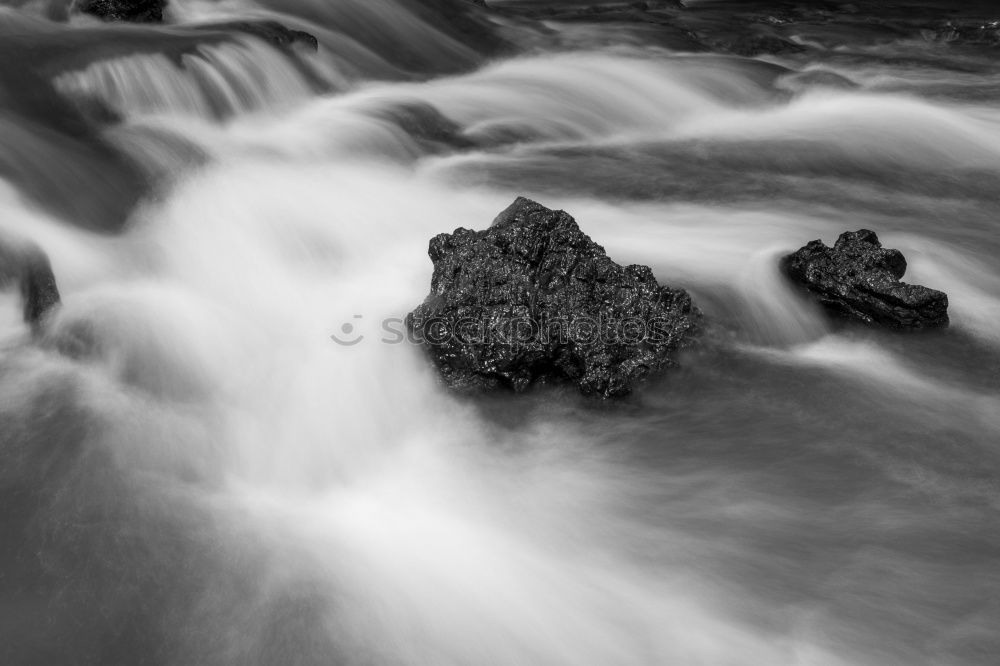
(217, 81)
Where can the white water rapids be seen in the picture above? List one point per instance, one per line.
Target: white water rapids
(196, 473)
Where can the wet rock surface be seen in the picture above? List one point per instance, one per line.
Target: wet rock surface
(27, 267)
(132, 11)
(533, 299)
(858, 279)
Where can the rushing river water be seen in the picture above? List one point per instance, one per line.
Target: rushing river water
(192, 472)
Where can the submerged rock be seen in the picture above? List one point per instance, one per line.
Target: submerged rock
(272, 32)
(534, 299)
(859, 279)
(133, 11)
(427, 126)
(752, 44)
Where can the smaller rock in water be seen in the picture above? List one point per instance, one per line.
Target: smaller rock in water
(39, 293)
(272, 32)
(859, 279)
(133, 11)
(534, 299)
(28, 266)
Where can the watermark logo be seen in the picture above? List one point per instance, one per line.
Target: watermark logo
(519, 331)
(349, 335)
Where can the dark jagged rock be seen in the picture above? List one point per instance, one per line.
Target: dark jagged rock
(859, 279)
(39, 293)
(534, 299)
(132, 11)
(29, 267)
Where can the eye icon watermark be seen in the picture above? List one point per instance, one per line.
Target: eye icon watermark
(348, 336)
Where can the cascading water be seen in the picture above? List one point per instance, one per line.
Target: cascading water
(193, 472)
(218, 81)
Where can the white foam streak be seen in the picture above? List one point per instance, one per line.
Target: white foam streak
(971, 285)
(887, 375)
(574, 97)
(871, 128)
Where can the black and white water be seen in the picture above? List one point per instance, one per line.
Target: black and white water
(193, 473)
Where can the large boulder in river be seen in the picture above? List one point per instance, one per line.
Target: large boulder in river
(859, 279)
(534, 299)
(133, 11)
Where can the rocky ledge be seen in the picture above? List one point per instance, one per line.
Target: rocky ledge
(532, 299)
(858, 279)
(132, 11)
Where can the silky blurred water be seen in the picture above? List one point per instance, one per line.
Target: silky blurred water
(193, 472)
